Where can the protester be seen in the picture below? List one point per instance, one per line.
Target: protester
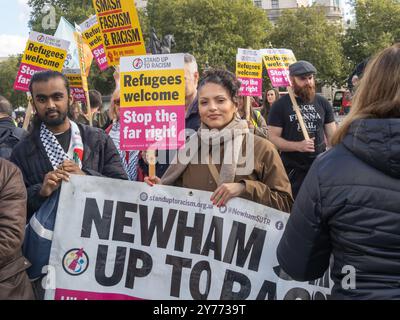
(356, 75)
(76, 113)
(10, 135)
(256, 122)
(20, 121)
(271, 95)
(129, 159)
(349, 204)
(192, 118)
(266, 181)
(284, 129)
(57, 147)
(100, 117)
(14, 283)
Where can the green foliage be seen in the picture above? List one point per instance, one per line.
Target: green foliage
(308, 33)
(8, 72)
(377, 26)
(212, 30)
(73, 10)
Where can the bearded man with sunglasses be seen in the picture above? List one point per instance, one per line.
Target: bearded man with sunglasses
(285, 132)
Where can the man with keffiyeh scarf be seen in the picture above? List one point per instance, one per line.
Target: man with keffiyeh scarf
(57, 147)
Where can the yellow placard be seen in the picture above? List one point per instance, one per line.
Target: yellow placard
(82, 60)
(75, 80)
(248, 69)
(274, 61)
(92, 37)
(119, 24)
(43, 56)
(152, 88)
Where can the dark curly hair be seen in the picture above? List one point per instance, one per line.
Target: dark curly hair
(224, 78)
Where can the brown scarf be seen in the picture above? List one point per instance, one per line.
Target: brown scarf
(232, 135)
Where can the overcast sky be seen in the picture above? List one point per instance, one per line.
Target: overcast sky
(14, 16)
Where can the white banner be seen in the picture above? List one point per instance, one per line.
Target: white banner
(125, 240)
(156, 62)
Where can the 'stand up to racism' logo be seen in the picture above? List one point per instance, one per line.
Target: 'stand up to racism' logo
(75, 262)
(40, 38)
(137, 63)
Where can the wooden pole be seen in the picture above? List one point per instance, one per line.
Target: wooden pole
(82, 67)
(89, 108)
(298, 113)
(151, 159)
(28, 112)
(247, 103)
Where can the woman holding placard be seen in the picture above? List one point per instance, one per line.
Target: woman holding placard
(249, 165)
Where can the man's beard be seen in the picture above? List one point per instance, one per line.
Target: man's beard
(53, 122)
(306, 93)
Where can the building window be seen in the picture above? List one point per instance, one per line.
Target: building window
(275, 4)
(258, 3)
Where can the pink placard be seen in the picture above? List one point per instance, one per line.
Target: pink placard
(250, 87)
(25, 73)
(279, 77)
(144, 128)
(63, 294)
(99, 54)
(78, 94)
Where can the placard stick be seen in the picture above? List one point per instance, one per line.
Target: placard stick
(298, 113)
(247, 103)
(28, 112)
(89, 109)
(151, 159)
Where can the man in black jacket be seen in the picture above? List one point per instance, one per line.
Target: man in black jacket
(10, 134)
(57, 147)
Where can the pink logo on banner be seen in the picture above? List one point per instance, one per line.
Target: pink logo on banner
(25, 73)
(100, 55)
(78, 94)
(279, 77)
(250, 87)
(145, 128)
(62, 294)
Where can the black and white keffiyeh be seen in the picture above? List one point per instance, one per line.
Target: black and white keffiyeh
(56, 153)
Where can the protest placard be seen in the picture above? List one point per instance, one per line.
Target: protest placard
(119, 25)
(92, 36)
(82, 61)
(152, 109)
(42, 52)
(74, 77)
(277, 62)
(249, 72)
(125, 240)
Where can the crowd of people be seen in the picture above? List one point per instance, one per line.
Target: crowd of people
(340, 186)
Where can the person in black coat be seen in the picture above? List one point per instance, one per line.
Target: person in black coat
(57, 147)
(349, 204)
(10, 134)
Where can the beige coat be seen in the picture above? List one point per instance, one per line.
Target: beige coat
(267, 184)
